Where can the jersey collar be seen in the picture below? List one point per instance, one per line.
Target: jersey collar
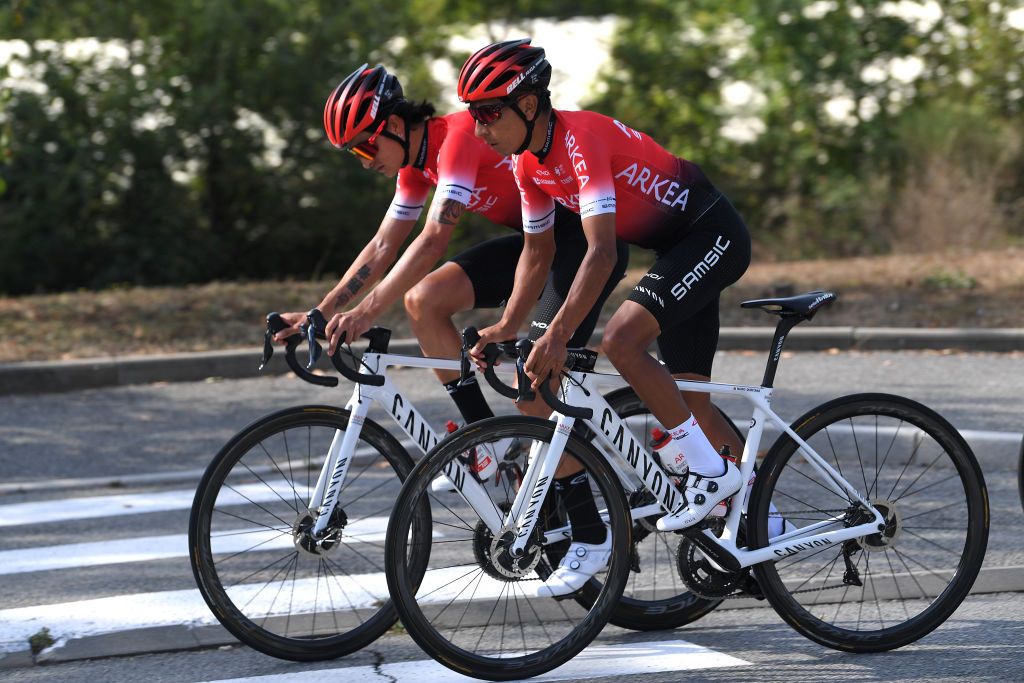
(421, 156)
(549, 139)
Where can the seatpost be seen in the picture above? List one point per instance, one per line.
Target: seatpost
(775, 352)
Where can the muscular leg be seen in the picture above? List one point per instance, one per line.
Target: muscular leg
(716, 427)
(627, 336)
(431, 305)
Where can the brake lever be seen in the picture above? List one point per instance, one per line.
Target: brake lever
(316, 327)
(275, 323)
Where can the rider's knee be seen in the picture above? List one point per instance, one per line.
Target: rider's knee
(421, 299)
(619, 342)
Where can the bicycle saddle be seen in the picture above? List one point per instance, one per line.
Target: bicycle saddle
(799, 306)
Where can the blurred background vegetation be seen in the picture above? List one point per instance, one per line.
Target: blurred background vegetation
(179, 141)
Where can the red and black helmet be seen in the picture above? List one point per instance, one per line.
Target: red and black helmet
(363, 99)
(500, 69)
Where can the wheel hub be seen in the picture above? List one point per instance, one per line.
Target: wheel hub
(886, 538)
(306, 542)
(494, 557)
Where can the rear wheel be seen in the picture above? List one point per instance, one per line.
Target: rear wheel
(885, 590)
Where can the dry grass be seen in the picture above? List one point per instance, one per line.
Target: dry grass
(950, 289)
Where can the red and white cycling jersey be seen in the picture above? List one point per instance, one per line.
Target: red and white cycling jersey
(594, 164)
(463, 168)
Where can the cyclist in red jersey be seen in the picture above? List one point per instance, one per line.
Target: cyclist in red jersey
(368, 115)
(623, 184)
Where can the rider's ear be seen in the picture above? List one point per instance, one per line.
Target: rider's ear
(396, 125)
(528, 105)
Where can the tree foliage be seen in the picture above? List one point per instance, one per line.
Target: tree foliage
(195, 151)
(174, 141)
(819, 152)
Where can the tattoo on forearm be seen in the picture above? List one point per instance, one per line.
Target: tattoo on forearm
(354, 284)
(449, 211)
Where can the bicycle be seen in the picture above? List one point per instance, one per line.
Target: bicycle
(274, 534)
(471, 610)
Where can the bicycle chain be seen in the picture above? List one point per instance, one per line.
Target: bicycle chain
(745, 594)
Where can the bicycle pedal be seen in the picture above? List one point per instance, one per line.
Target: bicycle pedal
(567, 596)
(695, 528)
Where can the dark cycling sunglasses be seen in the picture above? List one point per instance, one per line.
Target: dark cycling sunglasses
(487, 114)
(368, 150)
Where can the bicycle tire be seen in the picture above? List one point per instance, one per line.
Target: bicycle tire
(235, 498)
(901, 470)
(450, 642)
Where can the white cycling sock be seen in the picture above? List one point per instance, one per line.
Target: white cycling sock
(699, 454)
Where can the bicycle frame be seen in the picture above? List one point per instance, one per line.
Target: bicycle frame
(581, 389)
(339, 456)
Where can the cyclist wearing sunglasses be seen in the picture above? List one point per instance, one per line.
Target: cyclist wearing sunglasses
(624, 185)
(368, 116)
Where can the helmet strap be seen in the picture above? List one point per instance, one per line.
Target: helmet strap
(403, 141)
(514, 106)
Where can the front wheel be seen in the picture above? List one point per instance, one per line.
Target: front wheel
(477, 609)
(888, 589)
(266, 578)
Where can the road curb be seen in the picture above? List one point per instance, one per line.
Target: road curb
(195, 637)
(56, 376)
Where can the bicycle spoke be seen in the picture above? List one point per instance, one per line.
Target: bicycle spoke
(933, 543)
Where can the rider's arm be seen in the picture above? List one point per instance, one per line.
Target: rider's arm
(531, 275)
(457, 161)
(597, 210)
(417, 261)
(371, 264)
(590, 280)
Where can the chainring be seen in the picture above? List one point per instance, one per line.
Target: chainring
(703, 577)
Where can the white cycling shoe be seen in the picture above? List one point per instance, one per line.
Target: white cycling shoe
(703, 494)
(581, 562)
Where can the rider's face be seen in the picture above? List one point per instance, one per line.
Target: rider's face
(506, 134)
(388, 159)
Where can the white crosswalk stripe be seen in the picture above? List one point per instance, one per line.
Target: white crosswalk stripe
(596, 661)
(133, 504)
(142, 549)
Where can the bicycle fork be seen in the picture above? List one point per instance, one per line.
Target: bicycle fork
(540, 472)
(336, 464)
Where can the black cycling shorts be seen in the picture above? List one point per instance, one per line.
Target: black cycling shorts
(491, 267)
(682, 288)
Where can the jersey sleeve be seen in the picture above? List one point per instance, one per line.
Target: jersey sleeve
(410, 195)
(457, 163)
(591, 162)
(538, 207)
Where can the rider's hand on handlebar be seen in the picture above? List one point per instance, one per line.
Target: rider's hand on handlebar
(493, 334)
(294, 320)
(546, 359)
(352, 324)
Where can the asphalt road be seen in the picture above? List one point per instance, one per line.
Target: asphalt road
(156, 439)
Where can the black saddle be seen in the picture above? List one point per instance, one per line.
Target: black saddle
(799, 306)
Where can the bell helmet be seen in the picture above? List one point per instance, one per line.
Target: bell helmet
(360, 101)
(500, 69)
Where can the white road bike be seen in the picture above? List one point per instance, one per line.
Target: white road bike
(286, 535)
(878, 506)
